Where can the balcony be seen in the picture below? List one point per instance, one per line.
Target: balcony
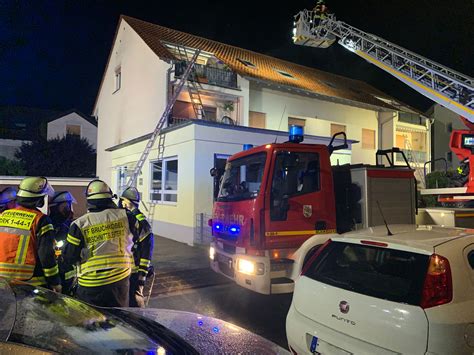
(418, 156)
(175, 121)
(208, 75)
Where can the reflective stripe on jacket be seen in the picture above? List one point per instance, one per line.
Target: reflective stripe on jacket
(108, 241)
(18, 243)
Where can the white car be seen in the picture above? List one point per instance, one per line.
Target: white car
(367, 292)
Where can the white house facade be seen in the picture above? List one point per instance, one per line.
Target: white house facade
(248, 98)
(73, 123)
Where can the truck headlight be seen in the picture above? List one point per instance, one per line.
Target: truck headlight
(212, 253)
(250, 268)
(246, 267)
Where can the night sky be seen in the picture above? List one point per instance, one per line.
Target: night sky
(53, 53)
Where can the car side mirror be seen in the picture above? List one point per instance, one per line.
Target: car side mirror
(213, 172)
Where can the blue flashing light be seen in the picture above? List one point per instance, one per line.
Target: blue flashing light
(200, 323)
(218, 227)
(296, 134)
(215, 330)
(234, 229)
(247, 146)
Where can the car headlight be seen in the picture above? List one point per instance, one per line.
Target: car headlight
(212, 253)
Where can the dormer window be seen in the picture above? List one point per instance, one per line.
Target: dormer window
(284, 73)
(247, 63)
(118, 78)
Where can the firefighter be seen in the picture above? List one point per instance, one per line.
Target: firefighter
(101, 243)
(27, 237)
(142, 248)
(61, 213)
(7, 199)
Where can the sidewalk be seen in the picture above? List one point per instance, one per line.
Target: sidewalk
(179, 266)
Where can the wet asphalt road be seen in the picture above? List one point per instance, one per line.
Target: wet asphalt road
(260, 314)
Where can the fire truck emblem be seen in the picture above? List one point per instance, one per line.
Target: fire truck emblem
(307, 210)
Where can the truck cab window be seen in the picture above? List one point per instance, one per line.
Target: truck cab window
(242, 178)
(295, 173)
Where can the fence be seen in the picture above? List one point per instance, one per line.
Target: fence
(202, 231)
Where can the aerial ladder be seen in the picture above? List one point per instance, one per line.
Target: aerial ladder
(318, 28)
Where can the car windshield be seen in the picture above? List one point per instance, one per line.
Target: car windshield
(242, 178)
(390, 274)
(62, 324)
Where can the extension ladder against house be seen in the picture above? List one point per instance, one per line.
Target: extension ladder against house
(141, 161)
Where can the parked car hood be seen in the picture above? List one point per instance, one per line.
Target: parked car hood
(209, 335)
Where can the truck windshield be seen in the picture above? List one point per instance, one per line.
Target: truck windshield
(242, 178)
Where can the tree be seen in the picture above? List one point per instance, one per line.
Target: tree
(11, 167)
(70, 156)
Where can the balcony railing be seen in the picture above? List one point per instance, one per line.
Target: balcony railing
(419, 156)
(174, 121)
(208, 75)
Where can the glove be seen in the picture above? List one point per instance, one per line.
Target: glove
(57, 288)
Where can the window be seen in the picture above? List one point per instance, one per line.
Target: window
(284, 73)
(336, 128)
(295, 173)
(242, 178)
(331, 85)
(296, 122)
(183, 109)
(210, 113)
(73, 130)
(118, 78)
(220, 161)
(164, 182)
(247, 63)
(449, 127)
(257, 119)
(470, 259)
(368, 138)
(389, 274)
(449, 157)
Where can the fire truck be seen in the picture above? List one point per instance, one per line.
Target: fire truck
(279, 202)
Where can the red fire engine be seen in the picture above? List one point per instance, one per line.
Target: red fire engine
(275, 197)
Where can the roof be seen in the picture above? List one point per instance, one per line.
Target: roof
(27, 123)
(223, 126)
(424, 238)
(89, 119)
(309, 80)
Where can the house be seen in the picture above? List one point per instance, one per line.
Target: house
(247, 98)
(20, 124)
(444, 122)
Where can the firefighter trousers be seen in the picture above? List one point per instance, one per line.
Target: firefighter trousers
(111, 295)
(137, 299)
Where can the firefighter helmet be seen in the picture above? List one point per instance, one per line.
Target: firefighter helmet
(8, 194)
(60, 197)
(98, 189)
(132, 194)
(34, 186)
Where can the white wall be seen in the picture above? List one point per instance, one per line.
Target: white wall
(133, 110)
(442, 117)
(57, 128)
(8, 147)
(319, 115)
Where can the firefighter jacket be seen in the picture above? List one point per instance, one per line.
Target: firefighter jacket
(101, 243)
(143, 246)
(26, 247)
